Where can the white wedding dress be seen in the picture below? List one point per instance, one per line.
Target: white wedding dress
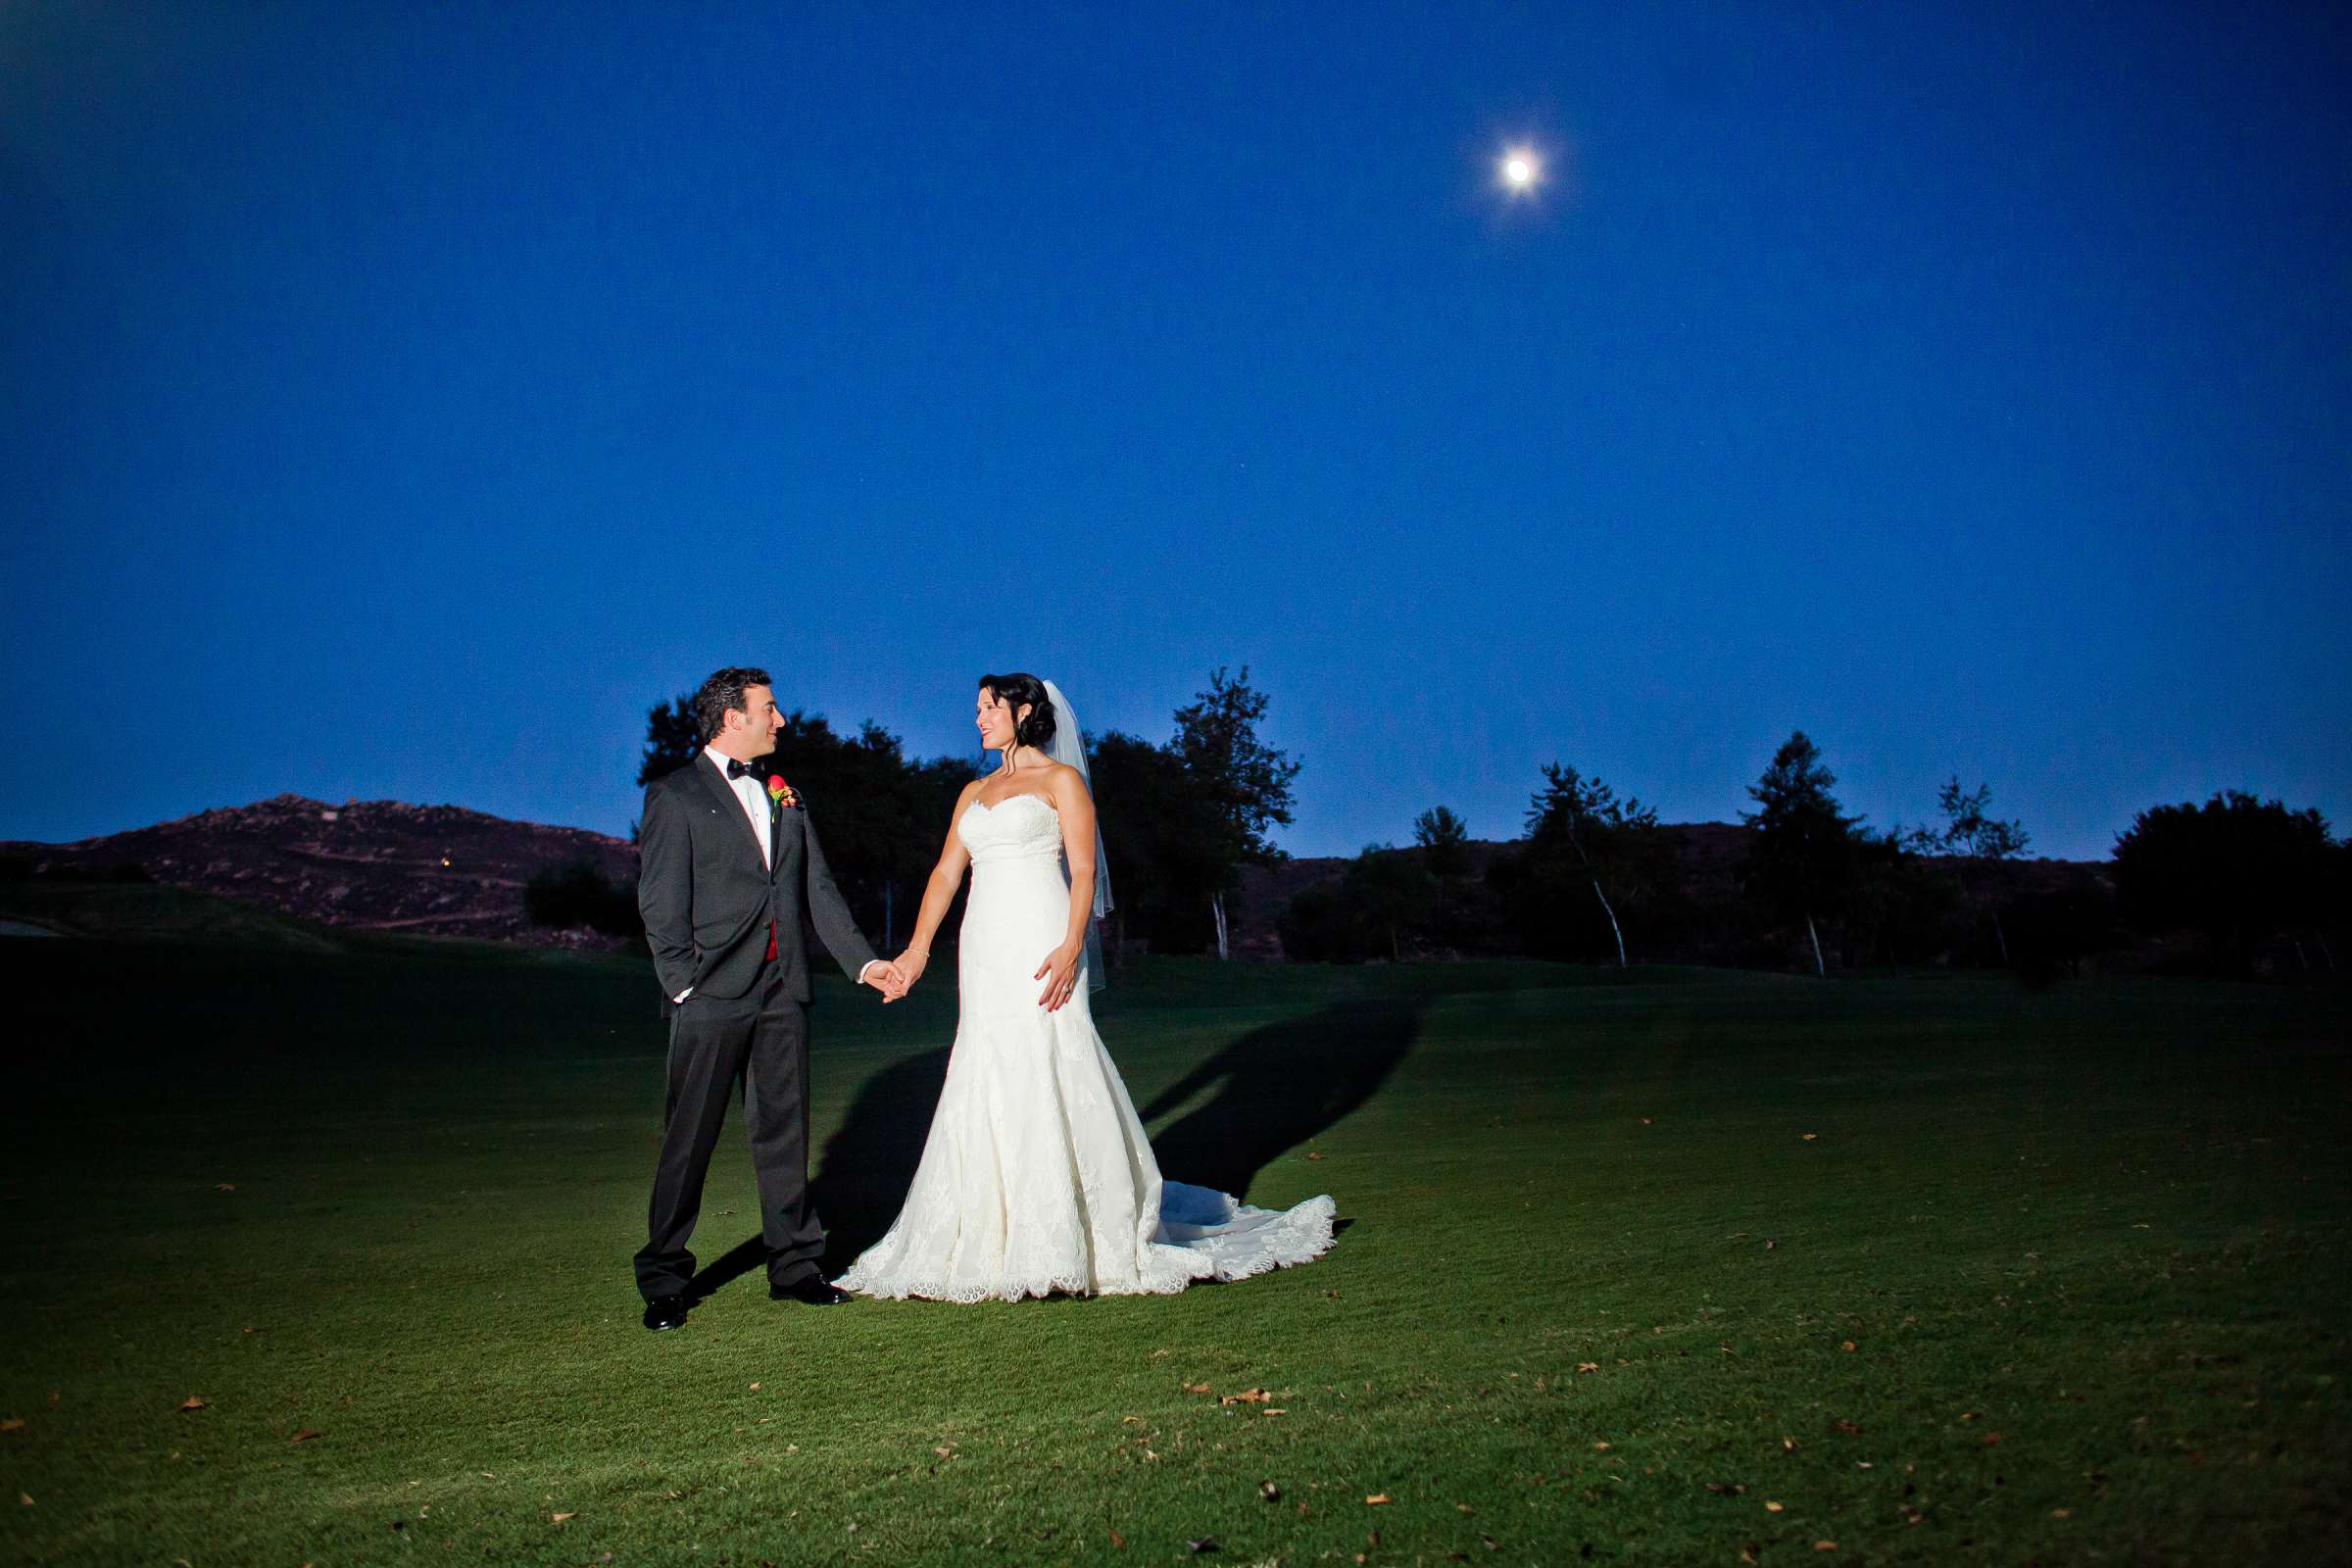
(1035, 1176)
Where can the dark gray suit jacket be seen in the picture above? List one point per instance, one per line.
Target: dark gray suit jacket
(708, 899)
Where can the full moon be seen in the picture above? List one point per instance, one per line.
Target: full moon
(1518, 170)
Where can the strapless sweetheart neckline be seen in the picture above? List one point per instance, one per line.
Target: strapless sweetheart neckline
(990, 805)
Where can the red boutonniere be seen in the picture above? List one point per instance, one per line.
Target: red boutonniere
(781, 793)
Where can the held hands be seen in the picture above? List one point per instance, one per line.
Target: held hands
(912, 964)
(884, 976)
(1062, 966)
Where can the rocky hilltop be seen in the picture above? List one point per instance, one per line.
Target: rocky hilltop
(380, 866)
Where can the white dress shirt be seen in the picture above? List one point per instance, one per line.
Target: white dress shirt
(752, 793)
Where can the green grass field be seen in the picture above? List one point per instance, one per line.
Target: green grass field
(1702, 1264)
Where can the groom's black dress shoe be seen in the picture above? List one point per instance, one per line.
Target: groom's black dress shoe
(811, 1290)
(665, 1312)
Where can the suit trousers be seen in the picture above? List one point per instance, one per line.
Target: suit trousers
(762, 1042)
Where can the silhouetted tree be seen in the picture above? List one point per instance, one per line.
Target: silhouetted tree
(1979, 841)
(1582, 837)
(1246, 782)
(579, 893)
(2236, 868)
(1443, 839)
(1163, 839)
(1897, 905)
(1386, 897)
(883, 815)
(1802, 860)
(672, 738)
(1468, 915)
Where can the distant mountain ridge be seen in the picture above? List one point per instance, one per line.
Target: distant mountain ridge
(378, 865)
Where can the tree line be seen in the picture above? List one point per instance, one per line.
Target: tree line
(1594, 877)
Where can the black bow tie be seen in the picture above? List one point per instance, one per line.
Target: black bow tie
(737, 770)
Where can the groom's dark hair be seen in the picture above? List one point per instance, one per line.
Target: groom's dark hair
(1036, 730)
(722, 691)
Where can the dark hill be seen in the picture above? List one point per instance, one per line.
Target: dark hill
(376, 866)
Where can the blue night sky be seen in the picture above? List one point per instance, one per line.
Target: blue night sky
(400, 399)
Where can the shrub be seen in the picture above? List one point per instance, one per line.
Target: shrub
(579, 894)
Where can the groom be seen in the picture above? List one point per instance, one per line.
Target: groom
(726, 851)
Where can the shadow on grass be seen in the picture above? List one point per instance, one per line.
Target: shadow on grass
(868, 1167)
(1271, 1090)
(1279, 1087)
(869, 1164)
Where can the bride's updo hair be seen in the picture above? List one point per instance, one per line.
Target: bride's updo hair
(1036, 730)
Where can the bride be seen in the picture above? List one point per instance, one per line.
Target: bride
(1035, 1176)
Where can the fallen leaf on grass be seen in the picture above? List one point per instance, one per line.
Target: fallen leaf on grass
(2062, 1513)
(1645, 1122)
(1196, 1388)
(559, 1518)
(755, 1388)
(1311, 1155)
(1600, 1447)
(1273, 1409)
(1118, 1542)
(1249, 1397)
(1376, 1499)
(1825, 1546)
(1846, 1427)
(1770, 1244)
(1465, 1508)
(225, 1187)
(1772, 1507)
(305, 1435)
(25, 1497)
(944, 1449)
(1992, 1440)
(1587, 1366)
(15, 1423)
(1809, 1137)
(191, 1402)
(1845, 1345)
(1269, 1490)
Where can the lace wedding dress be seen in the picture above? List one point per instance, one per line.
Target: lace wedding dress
(1036, 1175)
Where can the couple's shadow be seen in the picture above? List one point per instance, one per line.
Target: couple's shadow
(1269, 1092)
